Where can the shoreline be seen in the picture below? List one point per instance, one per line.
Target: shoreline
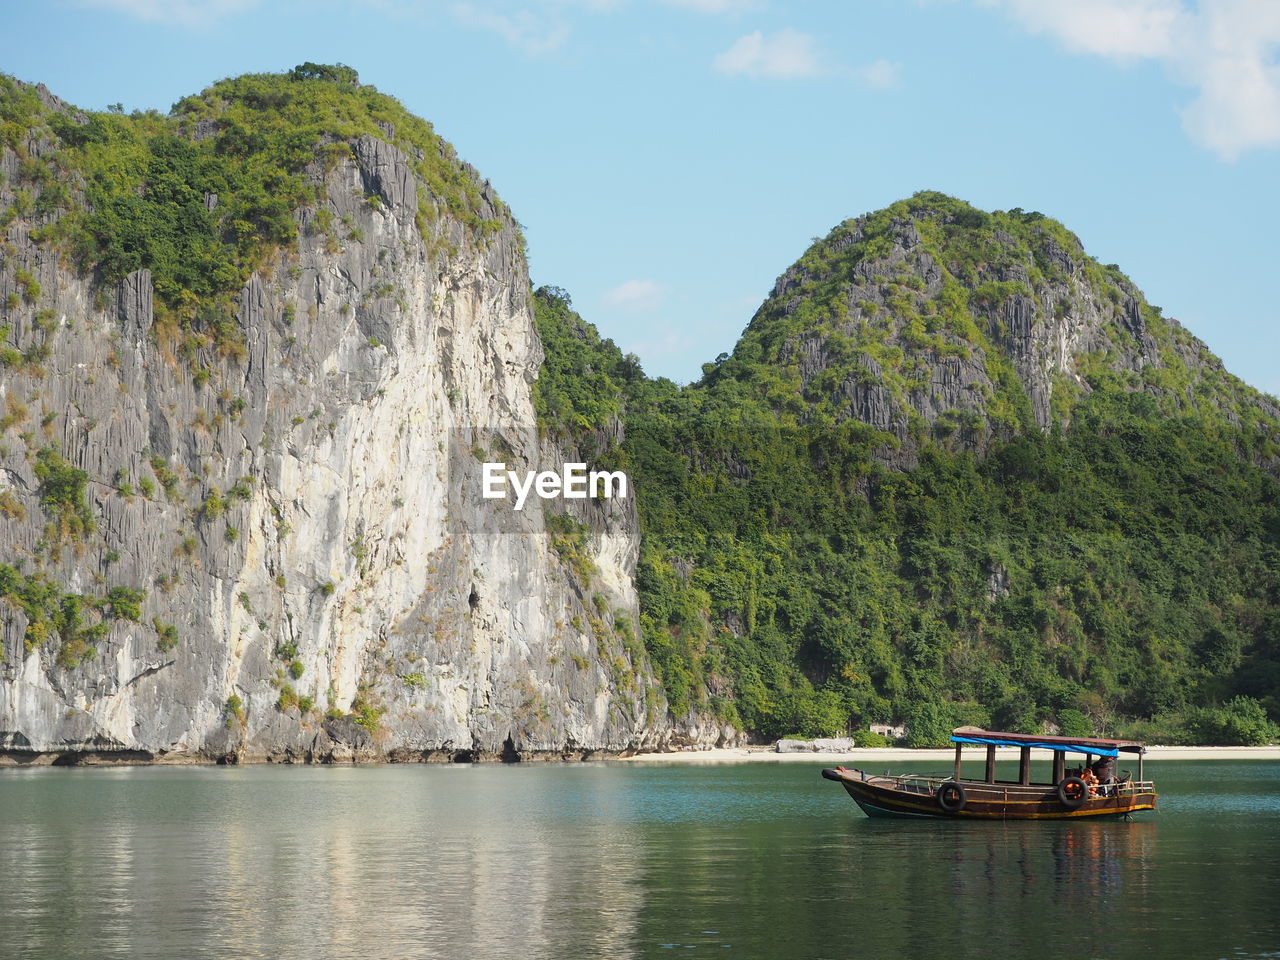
(875, 755)
(872, 757)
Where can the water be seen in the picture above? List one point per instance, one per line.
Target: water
(615, 860)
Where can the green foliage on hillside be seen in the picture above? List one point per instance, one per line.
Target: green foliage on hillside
(1122, 574)
(579, 388)
(1140, 557)
(860, 294)
(204, 195)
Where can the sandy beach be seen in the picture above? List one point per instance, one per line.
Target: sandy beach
(875, 758)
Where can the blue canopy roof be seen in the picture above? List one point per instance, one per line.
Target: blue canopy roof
(1062, 746)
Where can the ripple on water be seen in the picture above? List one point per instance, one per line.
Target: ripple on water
(613, 860)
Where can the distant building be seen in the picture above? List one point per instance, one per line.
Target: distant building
(890, 731)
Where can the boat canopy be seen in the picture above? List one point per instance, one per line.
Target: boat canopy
(1087, 745)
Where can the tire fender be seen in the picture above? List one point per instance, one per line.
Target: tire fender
(950, 797)
(1072, 792)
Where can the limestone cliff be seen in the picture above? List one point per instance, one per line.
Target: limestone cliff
(934, 322)
(297, 502)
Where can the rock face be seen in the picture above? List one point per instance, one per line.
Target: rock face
(306, 513)
(932, 320)
(832, 745)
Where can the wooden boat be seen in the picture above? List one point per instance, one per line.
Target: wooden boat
(1068, 794)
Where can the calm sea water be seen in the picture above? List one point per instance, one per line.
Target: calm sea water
(615, 860)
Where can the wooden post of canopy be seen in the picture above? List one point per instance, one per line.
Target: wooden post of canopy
(1059, 766)
(1141, 756)
(957, 773)
(991, 763)
(1024, 766)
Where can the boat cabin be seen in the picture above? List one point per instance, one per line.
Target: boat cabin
(1089, 746)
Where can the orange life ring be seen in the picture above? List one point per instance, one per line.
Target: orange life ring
(1072, 792)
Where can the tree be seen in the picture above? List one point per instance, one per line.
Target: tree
(1073, 723)
(1241, 720)
(333, 72)
(927, 725)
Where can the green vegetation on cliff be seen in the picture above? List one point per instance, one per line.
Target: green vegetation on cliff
(1119, 569)
(75, 620)
(580, 388)
(202, 196)
(930, 278)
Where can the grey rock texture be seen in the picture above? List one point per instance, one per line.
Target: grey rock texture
(355, 597)
(833, 745)
(1059, 318)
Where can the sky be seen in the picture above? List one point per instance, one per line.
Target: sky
(668, 159)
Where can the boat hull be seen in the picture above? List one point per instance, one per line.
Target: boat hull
(912, 797)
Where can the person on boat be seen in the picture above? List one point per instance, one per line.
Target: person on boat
(1102, 770)
(1090, 780)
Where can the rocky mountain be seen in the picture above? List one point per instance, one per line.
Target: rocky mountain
(931, 321)
(955, 471)
(254, 353)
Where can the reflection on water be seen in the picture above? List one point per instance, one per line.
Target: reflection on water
(282, 862)
(613, 861)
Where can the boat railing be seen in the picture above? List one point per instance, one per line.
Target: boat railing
(1126, 787)
(927, 783)
(1123, 788)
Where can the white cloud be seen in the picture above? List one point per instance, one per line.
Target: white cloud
(790, 55)
(635, 296)
(881, 74)
(1113, 28)
(595, 6)
(187, 13)
(717, 6)
(787, 54)
(523, 29)
(1225, 49)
